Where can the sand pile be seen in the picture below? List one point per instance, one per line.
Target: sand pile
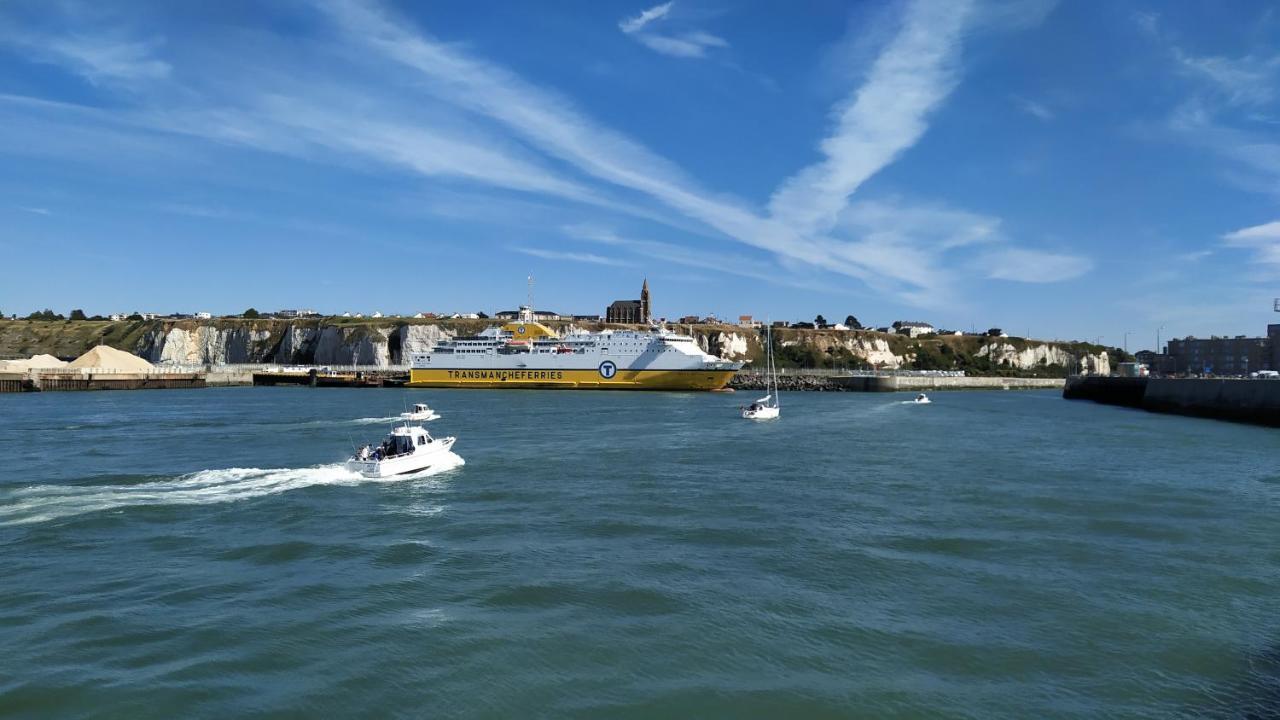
(110, 358)
(36, 362)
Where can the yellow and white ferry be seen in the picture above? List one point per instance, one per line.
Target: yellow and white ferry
(527, 354)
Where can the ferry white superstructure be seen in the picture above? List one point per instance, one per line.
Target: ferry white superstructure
(526, 353)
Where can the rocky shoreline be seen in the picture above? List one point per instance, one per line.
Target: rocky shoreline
(807, 383)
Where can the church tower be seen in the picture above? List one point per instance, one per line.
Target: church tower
(646, 313)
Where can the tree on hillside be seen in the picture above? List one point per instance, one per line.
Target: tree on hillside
(852, 322)
(45, 314)
(820, 321)
(78, 314)
(250, 313)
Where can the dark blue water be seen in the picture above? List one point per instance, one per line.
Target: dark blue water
(992, 555)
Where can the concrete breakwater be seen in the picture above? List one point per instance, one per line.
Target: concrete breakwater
(1251, 401)
(824, 382)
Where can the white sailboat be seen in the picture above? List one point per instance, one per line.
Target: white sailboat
(767, 407)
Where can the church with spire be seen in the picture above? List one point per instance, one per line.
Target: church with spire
(631, 312)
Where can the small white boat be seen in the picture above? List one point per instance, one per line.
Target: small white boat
(922, 399)
(761, 409)
(420, 413)
(767, 407)
(408, 449)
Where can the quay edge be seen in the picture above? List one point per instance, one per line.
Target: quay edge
(1239, 400)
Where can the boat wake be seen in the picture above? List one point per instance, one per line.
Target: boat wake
(368, 420)
(41, 503)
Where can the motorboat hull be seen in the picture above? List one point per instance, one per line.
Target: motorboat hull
(423, 458)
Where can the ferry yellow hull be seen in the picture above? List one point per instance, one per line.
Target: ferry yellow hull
(572, 379)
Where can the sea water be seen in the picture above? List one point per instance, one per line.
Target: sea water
(990, 555)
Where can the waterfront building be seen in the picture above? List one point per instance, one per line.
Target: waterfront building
(1238, 355)
(301, 313)
(634, 312)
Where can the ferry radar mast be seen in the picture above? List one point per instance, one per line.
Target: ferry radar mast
(526, 313)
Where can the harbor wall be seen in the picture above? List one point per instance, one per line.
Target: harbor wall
(61, 380)
(1240, 400)
(836, 382)
(917, 383)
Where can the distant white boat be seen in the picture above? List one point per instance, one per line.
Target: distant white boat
(408, 449)
(922, 399)
(420, 413)
(767, 407)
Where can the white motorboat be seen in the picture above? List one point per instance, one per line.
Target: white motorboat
(408, 449)
(420, 413)
(767, 407)
(922, 399)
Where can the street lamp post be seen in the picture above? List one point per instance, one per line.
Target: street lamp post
(1126, 341)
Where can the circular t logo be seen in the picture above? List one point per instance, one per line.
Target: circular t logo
(608, 369)
(520, 329)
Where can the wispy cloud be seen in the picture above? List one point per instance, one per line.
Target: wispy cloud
(1225, 103)
(1033, 266)
(1263, 240)
(667, 252)
(1245, 80)
(886, 116)
(108, 53)
(100, 61)
(463, 124)
(35, 210)
(1036, 109)
(637, 23)
(563, 256)
(685, 43)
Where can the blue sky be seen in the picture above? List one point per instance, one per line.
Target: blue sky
(1071, 170)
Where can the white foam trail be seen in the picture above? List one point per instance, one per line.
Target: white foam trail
(356, 421)
(40, 503)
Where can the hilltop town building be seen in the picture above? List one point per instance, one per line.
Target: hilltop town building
(635, 312)
(912, 329)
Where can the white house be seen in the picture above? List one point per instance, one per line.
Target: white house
(913, 329)
(204, 316)
(376, 314)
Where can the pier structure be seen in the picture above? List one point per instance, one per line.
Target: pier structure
(1254, 401)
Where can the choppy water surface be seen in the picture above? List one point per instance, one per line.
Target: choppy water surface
(203, 553)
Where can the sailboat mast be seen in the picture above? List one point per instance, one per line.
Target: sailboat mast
(773, 372)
